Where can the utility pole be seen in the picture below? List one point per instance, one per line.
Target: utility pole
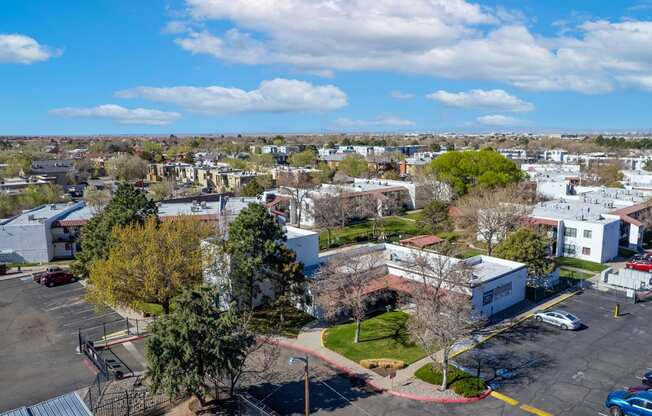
(306, 381)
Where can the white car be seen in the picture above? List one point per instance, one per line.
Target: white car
(562, 319)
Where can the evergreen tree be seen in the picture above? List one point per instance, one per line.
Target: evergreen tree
(257, 256)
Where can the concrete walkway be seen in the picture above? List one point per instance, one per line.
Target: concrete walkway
(310, 341)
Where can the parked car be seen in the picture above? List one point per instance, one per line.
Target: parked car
(557, 317)
(646, 384)
(641, 262)
(623, 403)
(54, 276)
(3, 269)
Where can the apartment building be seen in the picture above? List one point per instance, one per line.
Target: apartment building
(493, 284)
(595, 222)
(53, 231)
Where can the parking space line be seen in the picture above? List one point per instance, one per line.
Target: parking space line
(504, 398)
(534, 410)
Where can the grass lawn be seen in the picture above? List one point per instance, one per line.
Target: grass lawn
(269, 320)
(572, 274)
(460, 381)
(362, 231)
(413, 215)
(581, 264)
(383, 336)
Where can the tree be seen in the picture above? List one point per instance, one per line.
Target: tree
(527, 246)
(391, 175)
(606, 175)
(126, 167)
(128, 206)
(278, 140)
(256, 258)
(332, 211)
(96, 199)
(252, 189)
(196, 347)
(490, 215)
(353, 165)
(263, 161)
(162, 190)
(433, 217)
(297, 186)
(152, 151)
(305, 158)
(340, 285)
(443, 308)
(189, 158)
(465, 170)
(648, 165)
(150, 263)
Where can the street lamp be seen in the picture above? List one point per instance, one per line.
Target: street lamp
(307, 381)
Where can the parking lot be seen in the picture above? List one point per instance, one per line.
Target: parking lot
(569, 372)
(38, 327)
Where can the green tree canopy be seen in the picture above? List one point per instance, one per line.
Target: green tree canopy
(529, 247)
(305, 158)
(128, 206)
(150, 263)
(464, 170)
(353, 165)
(253, 188)
(434, 217)
(193, 349)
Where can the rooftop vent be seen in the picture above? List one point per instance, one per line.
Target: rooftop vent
(30, 217)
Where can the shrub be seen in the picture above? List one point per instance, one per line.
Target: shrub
(383, 363)
(459, 381)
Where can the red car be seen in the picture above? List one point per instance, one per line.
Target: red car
(54, 276)
(640, 262)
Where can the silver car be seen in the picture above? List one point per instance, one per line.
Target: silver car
(557, 317)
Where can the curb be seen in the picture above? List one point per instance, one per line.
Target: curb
(463, 400)
(513, 324)
(356, 376)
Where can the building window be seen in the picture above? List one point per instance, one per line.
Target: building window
(586, 251)
(588, 233)
(569, 250)
(570, 232)
(488, 297)
(68, 246)
(65, 230)
(503, 291)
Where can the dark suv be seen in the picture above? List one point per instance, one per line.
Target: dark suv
(54, 276)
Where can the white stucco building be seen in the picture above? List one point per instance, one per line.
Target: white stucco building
(494, 284)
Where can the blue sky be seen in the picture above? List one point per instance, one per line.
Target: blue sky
(211, 66)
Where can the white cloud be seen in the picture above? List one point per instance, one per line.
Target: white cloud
(387, 121)
(454, 39)
(273, 96)
(498, 120)
(120, 114)
(21, 49)
(400, 95)
(484, 99)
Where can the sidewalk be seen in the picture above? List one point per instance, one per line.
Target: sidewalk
(405, 384)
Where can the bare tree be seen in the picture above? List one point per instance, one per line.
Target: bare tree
(297, 185)
(325, 212)
(443, 313)
(341, 285)
(489, 215)
(431, 188)
(375, 206)
(96, 199)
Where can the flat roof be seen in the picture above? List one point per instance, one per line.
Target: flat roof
(596, 206)
(39, 214)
